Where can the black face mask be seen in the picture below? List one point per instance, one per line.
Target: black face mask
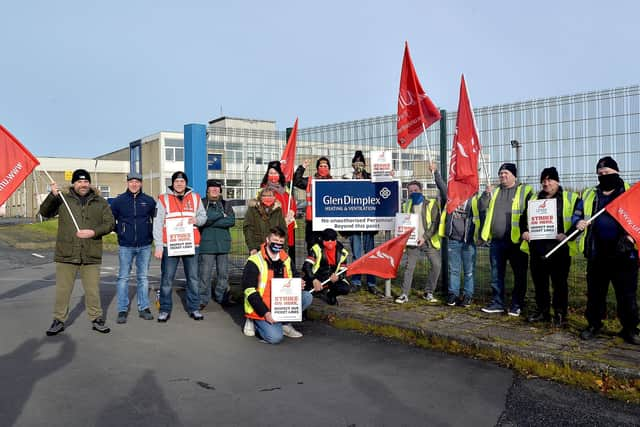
(275, 247)
(609, 182)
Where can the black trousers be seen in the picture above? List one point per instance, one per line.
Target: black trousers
(555, 268)
(622, 272)
(341, 287)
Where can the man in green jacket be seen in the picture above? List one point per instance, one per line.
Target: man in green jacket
(215, 245)
(78, 249)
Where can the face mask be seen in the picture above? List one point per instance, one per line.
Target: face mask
(275, 247)
(329, 244)
(268, 201)
(417, 198)
(323, 170)
(274, 178)
(609, 182)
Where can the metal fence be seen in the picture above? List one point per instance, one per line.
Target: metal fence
(569, 132)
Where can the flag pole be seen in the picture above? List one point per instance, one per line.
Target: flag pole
(566, 239)
(484, 167)
(342, 270)
(424, 130)
(64, 200)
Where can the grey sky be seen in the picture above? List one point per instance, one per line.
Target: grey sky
(82, 78)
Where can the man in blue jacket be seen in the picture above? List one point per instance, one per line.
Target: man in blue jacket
(133, 211)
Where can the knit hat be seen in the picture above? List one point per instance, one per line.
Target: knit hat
(323, 159)
(134, 175)
(607, 162)
(80, 174)
(550, 173)
(511, 167)
(329, 234)
(177, 175)
(214, 183)
(358, 157)
(275, 164)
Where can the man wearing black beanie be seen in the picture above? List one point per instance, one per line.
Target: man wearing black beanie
(557, 266)
(611, 255)
(502, 228)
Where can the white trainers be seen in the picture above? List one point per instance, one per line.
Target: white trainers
(428, 296)
(249, 328)
(402, 299)
(289, 331)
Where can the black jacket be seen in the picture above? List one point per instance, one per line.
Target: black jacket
(134, 218)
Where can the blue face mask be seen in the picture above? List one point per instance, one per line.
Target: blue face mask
(416, 198)
(275, 248)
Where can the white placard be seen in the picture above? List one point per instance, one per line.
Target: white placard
(286, 299)
(543, 219)
(405, 221)
(180, 239)
(381, 166)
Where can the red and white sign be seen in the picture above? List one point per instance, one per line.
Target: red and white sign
(542, 215)
(381, 166)
(16, 163)
(406, 221)
(180, 239)
(286, 299)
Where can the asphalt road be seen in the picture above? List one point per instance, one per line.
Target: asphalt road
(207, 373)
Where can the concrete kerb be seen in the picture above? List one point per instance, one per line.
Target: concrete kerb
(562, 361)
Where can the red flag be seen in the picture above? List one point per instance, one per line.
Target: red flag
(626, 210)
(414, 106)
(463, 169)
(289, 155)
(382, 261)
(16, 163)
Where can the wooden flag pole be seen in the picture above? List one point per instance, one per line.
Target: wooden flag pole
(64, 200)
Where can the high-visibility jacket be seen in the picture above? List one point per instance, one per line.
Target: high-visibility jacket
(317, 253)
(407, 207)
(176, 208)
(569, 200)
(517, 207)
(475, 213)
(264, 281)
(589, 200)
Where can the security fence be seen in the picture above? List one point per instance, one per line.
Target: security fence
(568, 132)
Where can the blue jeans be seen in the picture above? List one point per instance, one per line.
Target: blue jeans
(272, 332)
(361, 243)
(169, 266)
(142, 255)
(461, 255)
(206, 262)
(500, 252)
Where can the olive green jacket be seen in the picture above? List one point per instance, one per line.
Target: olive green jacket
(258, 221)
(94, 215)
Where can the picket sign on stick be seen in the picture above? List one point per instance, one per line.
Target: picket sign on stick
(64, 200)
(566, 239)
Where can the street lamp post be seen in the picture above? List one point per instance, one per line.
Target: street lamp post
(516, 144)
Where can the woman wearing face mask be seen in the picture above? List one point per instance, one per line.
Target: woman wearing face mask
(323, 171)
(275, 180)
(263, 214)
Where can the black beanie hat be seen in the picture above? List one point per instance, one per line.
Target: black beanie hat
(323, 158)
(80, 174)
(550, 173)
(358, 157)
(329, 234)
(275, 164)
(510, 167)
(607, 162)
(177, 175)
(214, 183)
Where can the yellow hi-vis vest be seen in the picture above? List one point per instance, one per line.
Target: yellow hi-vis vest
(475, 211)
(264, 284)
(588, 199)
(317, 253)
(517, 207)
(569, 200)
(407, 208)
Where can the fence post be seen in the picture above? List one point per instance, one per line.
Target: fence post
(444, 271)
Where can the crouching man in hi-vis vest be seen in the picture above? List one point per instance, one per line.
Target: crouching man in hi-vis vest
(271, 261)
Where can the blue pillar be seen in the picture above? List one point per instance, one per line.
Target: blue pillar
(195, 156)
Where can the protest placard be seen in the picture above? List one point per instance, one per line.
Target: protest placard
(180, 239)
(542, 216)
(286, 299)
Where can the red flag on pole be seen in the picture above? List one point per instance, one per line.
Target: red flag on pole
(414, 106)
(16, 163)
(382, 261)
(626, 210)
(287, 162)
(463, 168)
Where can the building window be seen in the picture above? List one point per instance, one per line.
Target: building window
(104, 191)
(174, 154)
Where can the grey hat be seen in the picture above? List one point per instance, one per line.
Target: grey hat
(134, 175)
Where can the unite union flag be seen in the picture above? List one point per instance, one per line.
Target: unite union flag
(382, 261)
(288, 158)
(416, 111)
(626, 210)
(16, 163)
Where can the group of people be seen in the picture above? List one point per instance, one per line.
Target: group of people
(496, 217)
